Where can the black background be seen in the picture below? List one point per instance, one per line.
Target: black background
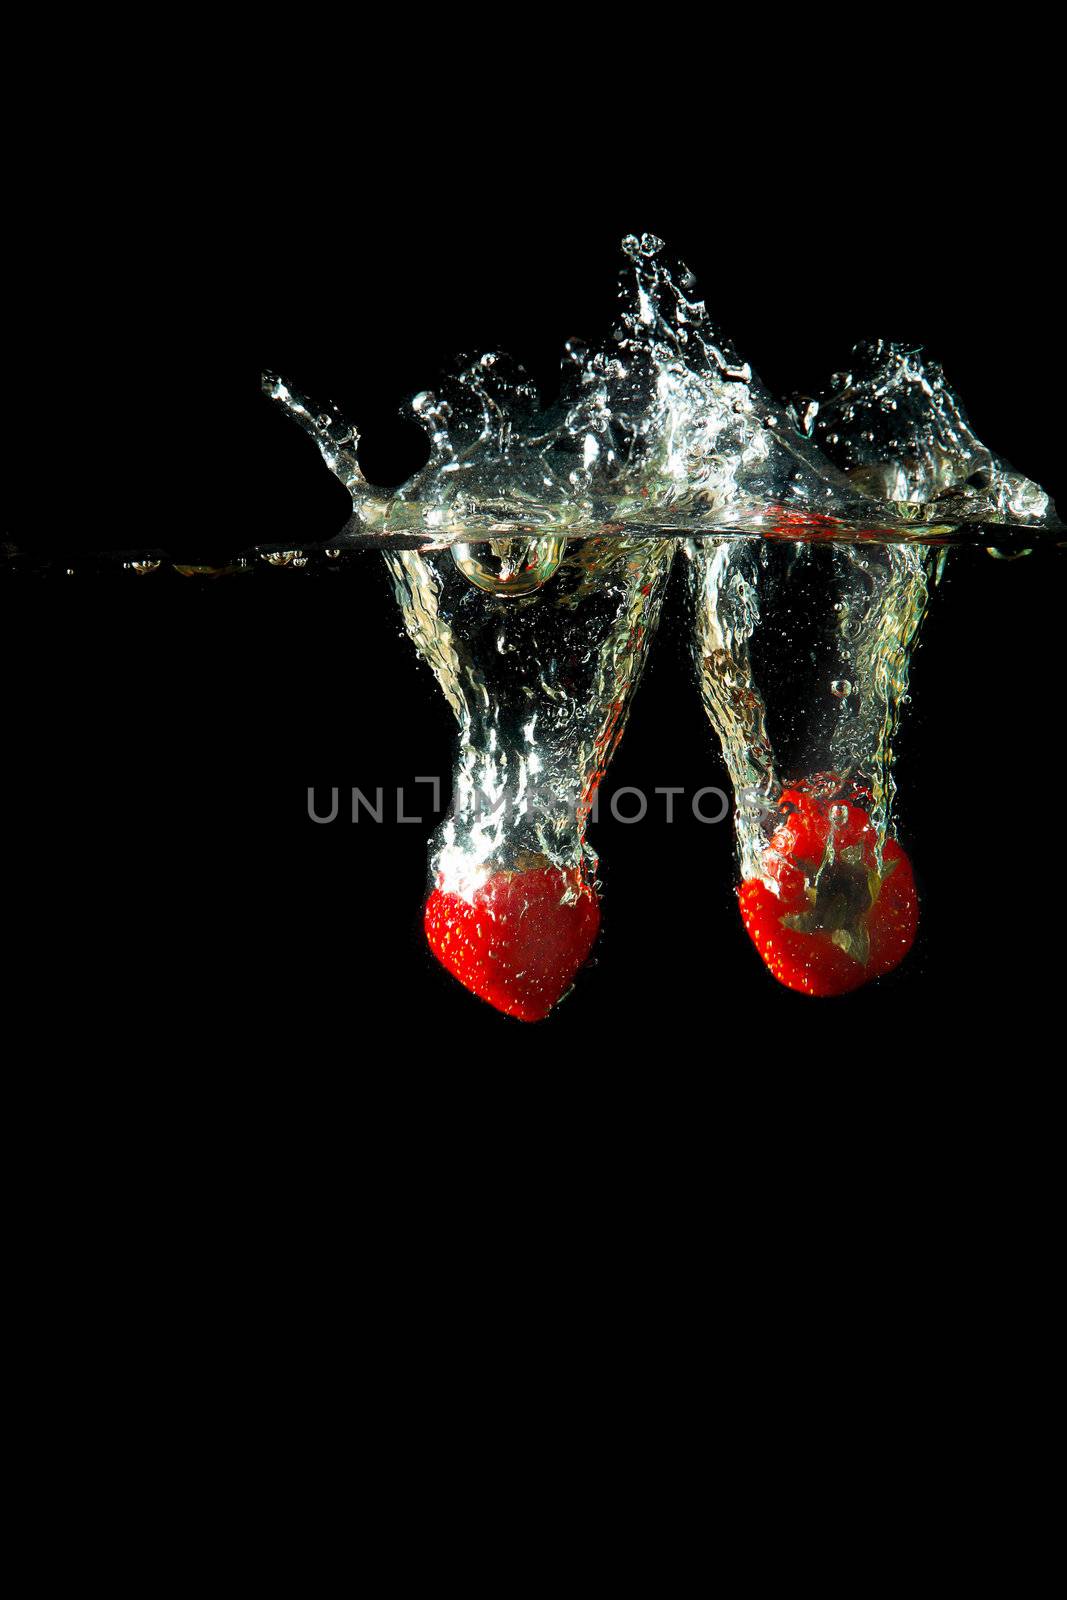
(272, 1149)
(175, 725)
(274, 1164)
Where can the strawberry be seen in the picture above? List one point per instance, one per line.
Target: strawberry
(516, 942)
(824, 921)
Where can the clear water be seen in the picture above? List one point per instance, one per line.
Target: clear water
(803, 654)
(540, 684)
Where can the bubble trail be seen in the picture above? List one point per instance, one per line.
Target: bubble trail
(540, 683)
(827, 894)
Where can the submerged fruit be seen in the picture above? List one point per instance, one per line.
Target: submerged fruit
(823, 917)
(519, 940)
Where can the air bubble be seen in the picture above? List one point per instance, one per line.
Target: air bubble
(509, 567)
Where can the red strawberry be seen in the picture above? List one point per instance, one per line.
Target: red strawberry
(516, 943)
(853, 924)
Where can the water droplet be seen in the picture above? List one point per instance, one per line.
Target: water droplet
(841, 687)
(807, 415)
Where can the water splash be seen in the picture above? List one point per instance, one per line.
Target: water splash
(900, 434)
(667, 431)
(811, 531)
(530, 557)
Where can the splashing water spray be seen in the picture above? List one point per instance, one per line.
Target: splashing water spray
(530, 557)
